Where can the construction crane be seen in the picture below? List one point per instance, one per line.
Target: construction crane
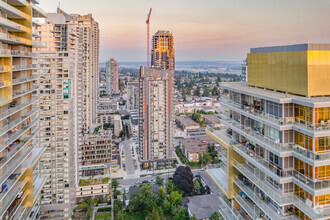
(148, 39)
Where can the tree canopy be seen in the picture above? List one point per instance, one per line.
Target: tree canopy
(183, 179)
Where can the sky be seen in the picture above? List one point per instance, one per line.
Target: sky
(203, 30)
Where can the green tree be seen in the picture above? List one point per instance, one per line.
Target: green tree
(215, 216)
(197, 187)
(215, 91)
(144, 200)
(205, 158)
(183, 94)
(182, 214)
(118, 210)
(167, 206)
(183, 179)
(114, 184)
(154, 215)
(197, 117)
(206, 92)
(159, 180)
(193, 217)
(89, 208)
(170, 187)
(161, 196)
(175, 198)
(197, 91)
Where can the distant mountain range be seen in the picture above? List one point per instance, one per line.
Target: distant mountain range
(194, 66)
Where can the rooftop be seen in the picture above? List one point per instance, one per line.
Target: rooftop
(203, 206)
(197, 145)
(289, 48)
(187, 121)
(98, 181)
(212, 118)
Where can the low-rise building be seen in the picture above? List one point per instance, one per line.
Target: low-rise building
(193, 147)
(189, 126)
(212, 120)
(93, 188)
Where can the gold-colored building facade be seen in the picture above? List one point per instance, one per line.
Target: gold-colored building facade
(297, 69)
(162, 54)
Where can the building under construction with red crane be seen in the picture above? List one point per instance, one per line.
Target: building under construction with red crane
(155, 102)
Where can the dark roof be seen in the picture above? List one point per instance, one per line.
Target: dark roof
(203, 206)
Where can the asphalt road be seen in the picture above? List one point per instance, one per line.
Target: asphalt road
(129, 164)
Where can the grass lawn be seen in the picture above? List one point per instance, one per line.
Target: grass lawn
(102, 216)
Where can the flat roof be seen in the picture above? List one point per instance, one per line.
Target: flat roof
(212, 118)
(196, 145)
(289, 48)
(276, 96)
(203, 206)
(187, 121)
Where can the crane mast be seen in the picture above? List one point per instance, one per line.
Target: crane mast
(148, 38)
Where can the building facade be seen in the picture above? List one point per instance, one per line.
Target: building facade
(98, 156)
(275, 149)
(20, 150)
(155, 115)
(132, 96)
(162, 54)
(112, 78)
(87, 30)
(57, 68)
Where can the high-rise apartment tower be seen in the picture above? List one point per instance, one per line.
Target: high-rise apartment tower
(275, 150)
(112, 78)
(162, 54)
(155, 116)
(87, 30)
(20, 150)
(58, 62)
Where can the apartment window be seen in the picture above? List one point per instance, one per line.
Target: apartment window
(274, 109)
(303, 140)
(272, 133)
(304, 168)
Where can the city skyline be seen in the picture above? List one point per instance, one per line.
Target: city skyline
(216, 30)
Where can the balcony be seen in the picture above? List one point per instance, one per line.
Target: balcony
(317, 187)
(13, 123)
(38, 44)
(265, 206)
(16, 148)
(12, 181)
(227, 211)
(19, 93)
(25, 79)
(11, 12)
(37, 12)
(312, 158)
(275, 147)
(11, 198)
(17, 2)
(36, 154)
(264, 165)
(250, 208)
(314, 213)
(24, 67)
(251, 112)
(12, 137)
(16, 108)
(13, 165)
(10, 25)
(259, 179)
